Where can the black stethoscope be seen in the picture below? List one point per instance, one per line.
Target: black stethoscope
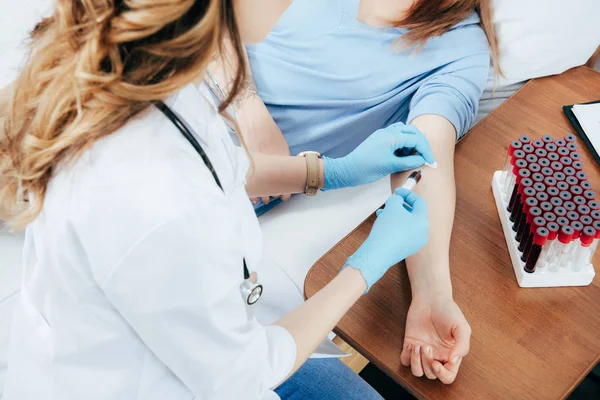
(251, 291)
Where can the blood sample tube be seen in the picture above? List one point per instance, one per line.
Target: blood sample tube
(521, 224)
(595, 214)
(544, 162)
(528, 148)
(512, 147)
(583, 254)
(525, 139)
(581, 175)
(559, 249)
(553, 156)
(562, 221)
(589, 194)
(519, 164)
(573, 216)
(534, 212)
(577, 227)
(516, 196)
(576, 190)
(538, 222)
(594, 205)
(539, 187)
(578, 165)
(569, 206)
(556, 166)
(541, 153)
(566, 161)
(546, 206)
(550, 181)
(537, 177)
(538, 144)
(547, 171)
(570, 138)
(553, 229)
(583, 210)
(562, 186)
(551, 147)
(571, 180)
(551, 217)
(586, 220)
(517, 207)
(596, 226)
(565, 196)
(562, 151)
(542, 196)
(560, 212)
(569, 171)
(575, 156)
(547, 139)
(556, 201)
(539, 240)
(579, 200)
(531, 158)
(560, 143)
(552, 191)
(517, 155)
(586, 185)
(572, 146)
(559, 176)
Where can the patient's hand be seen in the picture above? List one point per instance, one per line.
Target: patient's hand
(437, 337)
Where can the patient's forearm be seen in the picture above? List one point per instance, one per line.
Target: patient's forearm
(429, 269)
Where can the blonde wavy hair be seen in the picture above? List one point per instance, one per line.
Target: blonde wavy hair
(93, 65)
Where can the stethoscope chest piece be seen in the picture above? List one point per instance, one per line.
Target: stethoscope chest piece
(251, 291)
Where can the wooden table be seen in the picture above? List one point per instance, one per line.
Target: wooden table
(527, 343)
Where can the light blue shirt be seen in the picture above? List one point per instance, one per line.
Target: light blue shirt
(329, 80)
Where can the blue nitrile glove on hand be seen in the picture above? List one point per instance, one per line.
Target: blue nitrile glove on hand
(374, 158)
(397, 233)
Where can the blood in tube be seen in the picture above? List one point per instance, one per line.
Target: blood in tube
(516, 196)
(537, 222)
(539, 240)
(521, 224)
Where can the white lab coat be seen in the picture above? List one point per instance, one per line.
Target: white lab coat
(132, 273)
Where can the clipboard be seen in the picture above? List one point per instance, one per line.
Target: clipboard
(568, 110)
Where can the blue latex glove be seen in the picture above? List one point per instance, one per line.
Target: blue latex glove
(397, 233)
(374, 158)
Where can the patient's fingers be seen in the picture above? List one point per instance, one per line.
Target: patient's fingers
(427, 361)
(415, 361)
(406, 352)
(447, 372)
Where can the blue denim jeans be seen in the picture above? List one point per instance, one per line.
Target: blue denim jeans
(326, 379)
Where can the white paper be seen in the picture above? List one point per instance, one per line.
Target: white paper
(588, 116)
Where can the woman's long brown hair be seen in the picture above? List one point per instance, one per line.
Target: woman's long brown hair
(430, 18)
(93, 65)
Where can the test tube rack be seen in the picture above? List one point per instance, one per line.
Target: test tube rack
(543, 276)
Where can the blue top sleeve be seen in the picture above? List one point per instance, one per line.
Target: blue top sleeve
(453, 92)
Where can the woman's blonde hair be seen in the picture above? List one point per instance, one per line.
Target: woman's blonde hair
(93, 65)
(427, 19)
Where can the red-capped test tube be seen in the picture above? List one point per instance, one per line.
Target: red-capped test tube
(565, 235)
(539, 240)
(543, 259)
(570, 138)
(572, 146)
(547, 139)
(562, 151)
(521, 223)
(519, 163)
(561, 143)
(512, 147)
(583, 253)
(515, 199)
(538, 222)
(553, 156)
(596, 226)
